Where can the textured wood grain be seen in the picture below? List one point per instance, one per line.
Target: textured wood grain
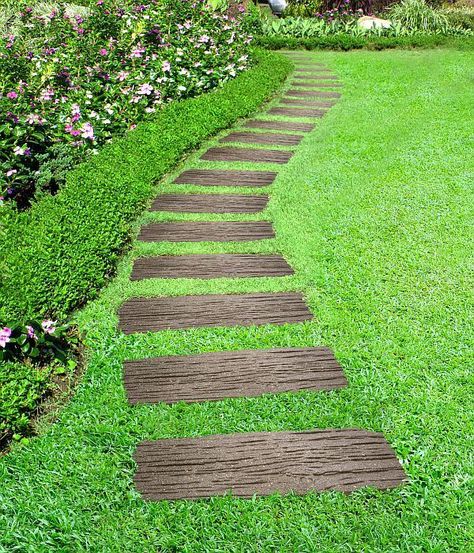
(296, 112)
(279, 125)
(243, 154)
(210, 266)
(214, 177)
(313, 70)
(153, 314)
(263, 138)
(316, 84)
(314, 77)
(264, 463)
(210, 203)
(215, 376)
(314, 93)
(321, 104)
(203, 231)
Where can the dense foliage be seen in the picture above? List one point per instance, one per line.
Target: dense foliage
(408, 18)
(60, 252)
(70, 82)
(21, 388)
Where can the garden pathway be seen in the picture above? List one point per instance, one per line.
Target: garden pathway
(254, 463)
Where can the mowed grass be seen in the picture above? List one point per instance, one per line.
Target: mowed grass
(374, 212)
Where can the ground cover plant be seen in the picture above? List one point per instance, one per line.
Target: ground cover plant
(70, 80)
(60, 253)
(373, 212)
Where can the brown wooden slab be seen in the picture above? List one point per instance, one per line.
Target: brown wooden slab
(153, 314)
(263, 138)
(263, 463)
(316, 93)
(316, 84)
(314, 77)
(315, 72)
(210, 266)
(203, 231)
(215, 376)
(279, 125)
(306, 103)
(210, 203)
(213, 177)
(296, 112)
(243, 154)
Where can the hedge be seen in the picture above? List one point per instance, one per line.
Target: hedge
(348, 42)
(61, 252)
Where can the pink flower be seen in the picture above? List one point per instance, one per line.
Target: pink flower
(18, 151)
(87, 131)
(48, 326)
(166, 66)
(31, 332)
(123, 75)
(5, 334)
(145, 89)
(47, 95)
(103, 52)
(12, 95)
(138, 52)
(33, 119)
(11, 172)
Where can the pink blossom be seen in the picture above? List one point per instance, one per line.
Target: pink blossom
(145, 89)
(11, 172)
(138, 52)
(31, 332)
(5, 334)
(12, 95)
(87, 131)
(48, 326)
(166, 66)
(47, 94)
(123, 75)
(103, 51)
(34, 118)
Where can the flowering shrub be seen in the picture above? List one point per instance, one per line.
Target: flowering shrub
(41, 342)
(69, 83)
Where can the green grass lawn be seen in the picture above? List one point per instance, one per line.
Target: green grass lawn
(374, 212)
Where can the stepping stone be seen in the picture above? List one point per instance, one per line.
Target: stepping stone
(315, 84)
(243, 154)
(315, 72)
(279, 125)
(210, 266)
(315, 77)
(264, 463)
(306, 103)
(153, 314)
(203, 231)
(296, 112)
(216, 376)
(210, 203)
(213, 177)
(316, 93)
(264, 138)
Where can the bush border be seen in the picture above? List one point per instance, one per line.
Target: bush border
(60, 253)
(347, 42)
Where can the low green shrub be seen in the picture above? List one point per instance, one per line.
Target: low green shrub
(61, 252)
(417, 15)
(346, 42)
(462, 17)
(300, 27)
(21, 388)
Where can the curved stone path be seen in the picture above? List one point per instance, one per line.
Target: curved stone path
(256, 463)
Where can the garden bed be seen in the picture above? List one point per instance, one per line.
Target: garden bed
(64, 249)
